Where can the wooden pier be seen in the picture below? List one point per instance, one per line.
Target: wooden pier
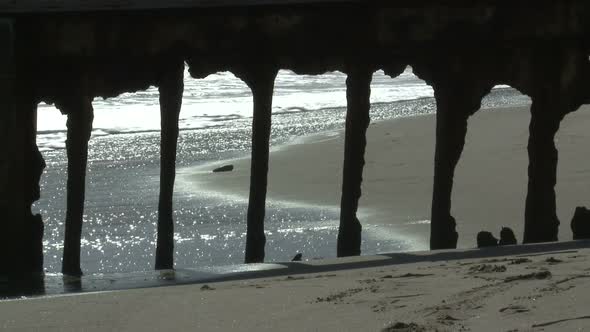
(68, 52)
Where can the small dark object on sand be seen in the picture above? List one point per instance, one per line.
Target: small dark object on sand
(581, 223)
(225, 168)
(530, 276)
(520, 261)
(206, 288)
(553, 260)
(487, 268)
(404, 327)
(297, 257)
(507, 237)
(486, 239)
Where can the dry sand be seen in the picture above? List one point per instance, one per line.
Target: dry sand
(514, 288)
(490, 181)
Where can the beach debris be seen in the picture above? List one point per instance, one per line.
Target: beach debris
(224, 168)
(486, 239)
(520, 261)
(553, 260)
(530, 276)
(338, 297)
(207, 288)
(297, 258)
(581, 223)
(507, 237)
(487, 268)
(404, 327)
(294, 278)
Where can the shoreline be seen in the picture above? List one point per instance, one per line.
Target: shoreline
(398, 173)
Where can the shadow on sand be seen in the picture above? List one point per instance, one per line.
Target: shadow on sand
(57, 284)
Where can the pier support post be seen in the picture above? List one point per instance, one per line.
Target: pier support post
(455, 102)
(541, 222)
(459, 84)
(358, 93)
(260, 79)
(451, 128)
(171, 86)
(80, 115)
(21, 165)
(557, 86)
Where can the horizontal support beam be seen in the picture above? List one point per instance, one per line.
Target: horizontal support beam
(49, 6)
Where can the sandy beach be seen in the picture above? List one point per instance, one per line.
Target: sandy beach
(490, 181)
(514, 288)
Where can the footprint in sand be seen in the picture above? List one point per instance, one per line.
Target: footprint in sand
(413, 275)
(520, 261)
(487, 268)
(514, 309)
(553, 261)
(530, 276)
(404, 327)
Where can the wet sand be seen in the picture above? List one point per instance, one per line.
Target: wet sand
(490, 181)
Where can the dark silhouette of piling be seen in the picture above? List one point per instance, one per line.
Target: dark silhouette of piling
(580, 223)
(486, 239)
(458, 95)
(507, 237)
(358, 93)
(557, 87)
(541, 222)
(260, 79)
(79, 123)
(451, 128)
(553, 69)
(171, 87)
(21, 164)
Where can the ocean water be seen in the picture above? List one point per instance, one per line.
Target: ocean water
(119, 233)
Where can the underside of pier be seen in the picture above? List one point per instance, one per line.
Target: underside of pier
(67, 56)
